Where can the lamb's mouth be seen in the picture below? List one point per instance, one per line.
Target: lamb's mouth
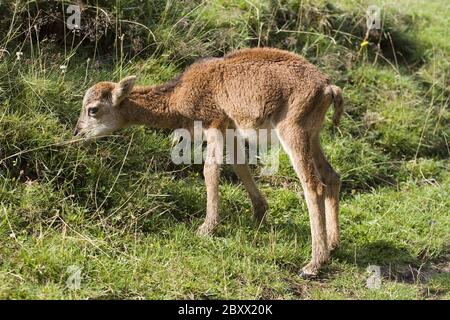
(89, 134)
(83, 134)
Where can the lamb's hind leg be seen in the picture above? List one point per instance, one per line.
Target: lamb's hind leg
(297, 143)
(242, 170)
(259, 202)
(333, 183)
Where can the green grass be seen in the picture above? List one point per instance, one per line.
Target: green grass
(123, 213)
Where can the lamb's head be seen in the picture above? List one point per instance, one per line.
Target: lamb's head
(100, 114)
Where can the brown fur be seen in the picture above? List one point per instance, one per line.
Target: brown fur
(249, 88)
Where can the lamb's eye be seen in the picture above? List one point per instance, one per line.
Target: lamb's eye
(92, 111)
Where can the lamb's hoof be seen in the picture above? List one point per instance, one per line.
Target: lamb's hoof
(307, 276)
(206, 230)
(309, 271)
(260, 208)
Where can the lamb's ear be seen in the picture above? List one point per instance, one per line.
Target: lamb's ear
(123, 89)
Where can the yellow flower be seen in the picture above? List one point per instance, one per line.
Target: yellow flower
(365, 43)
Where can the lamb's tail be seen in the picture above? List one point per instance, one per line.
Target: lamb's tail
(338, 103)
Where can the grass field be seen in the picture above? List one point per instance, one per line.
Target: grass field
(123, 215)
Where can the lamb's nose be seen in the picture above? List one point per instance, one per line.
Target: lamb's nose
(75, 132)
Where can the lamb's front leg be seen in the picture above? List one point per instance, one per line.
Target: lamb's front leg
(211, 172)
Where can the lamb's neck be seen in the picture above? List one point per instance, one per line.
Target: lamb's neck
(151, 106)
